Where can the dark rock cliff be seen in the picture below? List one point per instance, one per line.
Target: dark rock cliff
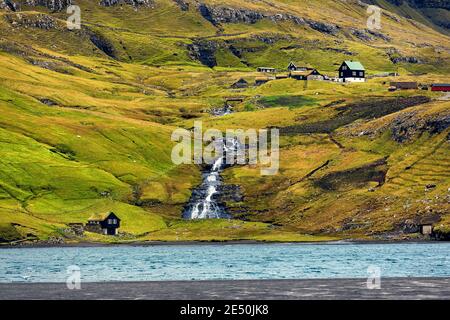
(219, 15)
(406, 126)
(54, 5)
(58, 5)
(102, 43)
(204, 51)
(9, 5)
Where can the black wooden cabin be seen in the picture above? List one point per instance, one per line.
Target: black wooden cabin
(352, 71)
(107, 223)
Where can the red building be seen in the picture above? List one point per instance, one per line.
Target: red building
(440, 87)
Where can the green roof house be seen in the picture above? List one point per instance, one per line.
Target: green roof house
(352, 71)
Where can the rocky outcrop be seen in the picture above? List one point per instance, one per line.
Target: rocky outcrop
(410, 124)
(203, 51)
(368, 35)
(323, 27)
(54, 5)
(48, 102)
(230, 193)
(412, 60)
(40, 21)
(219, 15)
(379, 35)
(47, 22)
(407, 126)
(184, 6)
(270, 38)
(408, 226)
(9, 5)
(396, 57)
(347, 114)
(134, 3)
(103, 44)
(58, 5)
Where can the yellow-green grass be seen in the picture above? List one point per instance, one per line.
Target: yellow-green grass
(105, 144)
(227, 230)
(78, 164)
(159, 36)
(293, 196)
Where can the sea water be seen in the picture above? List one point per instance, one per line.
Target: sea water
(225, 261)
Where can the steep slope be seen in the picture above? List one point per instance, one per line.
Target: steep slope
(87, 117)
(367, 178)
(435, 13)
(237, 34)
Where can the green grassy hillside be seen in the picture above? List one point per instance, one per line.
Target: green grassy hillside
(87, 116)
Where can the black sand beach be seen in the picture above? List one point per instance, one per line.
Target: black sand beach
(323, 289)
(205, 243)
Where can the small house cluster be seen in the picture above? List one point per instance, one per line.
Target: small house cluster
(394, 86)
(349, 71)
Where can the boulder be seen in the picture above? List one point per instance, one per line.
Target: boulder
(134, 3)
(53, 5)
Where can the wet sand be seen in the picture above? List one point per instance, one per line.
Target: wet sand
(323, 289)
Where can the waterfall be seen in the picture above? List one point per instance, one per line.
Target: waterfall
(204, 200)
(203, 203)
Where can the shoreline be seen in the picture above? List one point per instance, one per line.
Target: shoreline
(304, 289)
(210, 243)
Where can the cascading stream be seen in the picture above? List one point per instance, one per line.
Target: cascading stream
(204, 200)
(203, 203)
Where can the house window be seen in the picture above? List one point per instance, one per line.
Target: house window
(110, 221)
(354, 73)
(344, 68)
(342, 74)
(361, 74)
(114, 221)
